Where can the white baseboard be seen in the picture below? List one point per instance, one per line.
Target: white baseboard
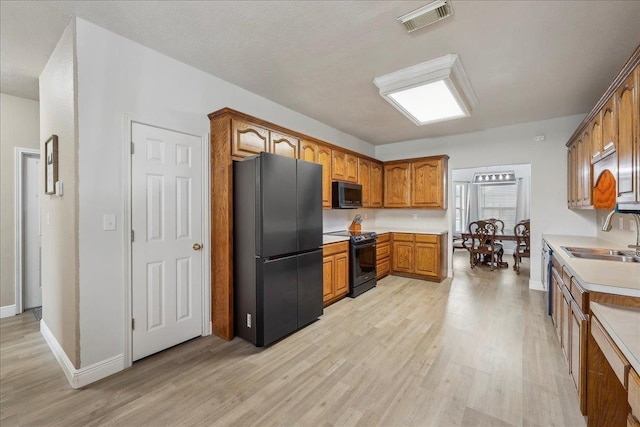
(81, 377)
(8, 311)
(536, 285)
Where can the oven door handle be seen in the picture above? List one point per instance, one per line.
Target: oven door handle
(364, 245)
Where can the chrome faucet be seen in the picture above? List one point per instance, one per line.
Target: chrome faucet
(636, 217)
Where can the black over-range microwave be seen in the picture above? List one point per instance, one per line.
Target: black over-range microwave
(346, 195)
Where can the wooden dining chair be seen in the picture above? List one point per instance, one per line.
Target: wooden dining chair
(523, 249)
(498, 243)
(482, 243)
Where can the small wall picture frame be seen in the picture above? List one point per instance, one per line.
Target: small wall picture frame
(51, 165)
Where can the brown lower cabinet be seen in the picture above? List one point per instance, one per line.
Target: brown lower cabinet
(423, 256)
(570, 302)
(335, 272)
(589, 351)
(383, 255)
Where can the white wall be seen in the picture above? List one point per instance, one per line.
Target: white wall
(507, 145)
(19, 127)
(624, 236)
(58, 214)
(118, 78)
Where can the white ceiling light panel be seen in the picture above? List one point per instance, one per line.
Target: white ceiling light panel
(430, 92)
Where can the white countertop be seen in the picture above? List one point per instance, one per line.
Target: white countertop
(327, 239)
(622, 278)
(623, 326)
(333, 239)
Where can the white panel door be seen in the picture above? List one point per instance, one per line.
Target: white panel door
(166, 177)
(31, 231)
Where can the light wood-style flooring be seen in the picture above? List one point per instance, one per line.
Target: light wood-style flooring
(478, 350)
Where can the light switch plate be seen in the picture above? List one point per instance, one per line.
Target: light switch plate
(109, 223)
(621, 223)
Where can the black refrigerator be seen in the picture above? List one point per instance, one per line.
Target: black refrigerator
(277, 204)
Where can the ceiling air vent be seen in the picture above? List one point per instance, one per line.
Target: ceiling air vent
(426, 15)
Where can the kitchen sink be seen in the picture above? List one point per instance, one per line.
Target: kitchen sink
(602, 254)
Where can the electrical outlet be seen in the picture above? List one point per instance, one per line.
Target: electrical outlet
(632, 225)
(415, 216)
(248, 320)
(621, 223)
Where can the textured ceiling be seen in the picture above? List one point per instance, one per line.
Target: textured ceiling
(526, 60)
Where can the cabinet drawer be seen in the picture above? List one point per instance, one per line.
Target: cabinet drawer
(618, 362)
(383, 238)
(403, 237)
(579, 295)
(383, 268)
(334, 248)
(634, 393)
(427, 238)
(382, 250)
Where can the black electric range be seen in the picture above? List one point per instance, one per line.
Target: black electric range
(362, 260)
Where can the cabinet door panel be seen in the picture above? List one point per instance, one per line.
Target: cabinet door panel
(627, 109)
(338, 165)
(248, 139)
(284, 145)
(397, 182)
(376, 185)
(328, 272)
(426, 185)
(609, 126)
(341, 278)
(364, 179)
(352, 168)
(324, 158)
(427, 261)
(403, 257)
(383, 268)
(596, 137)
(309, 151)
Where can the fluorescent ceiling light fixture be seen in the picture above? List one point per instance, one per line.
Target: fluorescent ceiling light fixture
(430, 92)
(494, 178)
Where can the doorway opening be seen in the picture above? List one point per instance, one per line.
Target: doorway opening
(501, 192)
(28, 289)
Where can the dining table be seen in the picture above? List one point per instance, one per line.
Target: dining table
(500, 236)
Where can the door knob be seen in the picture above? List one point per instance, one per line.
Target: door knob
(197, 246)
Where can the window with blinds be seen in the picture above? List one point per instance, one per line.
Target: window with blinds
(498, 201)
(461, 206)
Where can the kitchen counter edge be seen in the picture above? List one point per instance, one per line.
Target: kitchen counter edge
(610, 277)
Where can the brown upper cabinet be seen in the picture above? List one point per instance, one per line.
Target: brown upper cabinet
(376, 185)
(284, 145)
(370, 177)
(596, 137)
(603, 165)
(418, 183)
(309, 151)
(609, 127)
(628, 109)
(344, 167)
(248, 139)
(364, 179)
(321, 154)
(397, 185)
(428, 189)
